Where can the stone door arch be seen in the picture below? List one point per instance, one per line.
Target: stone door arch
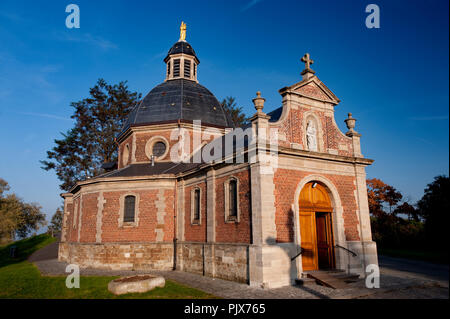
(327, 200)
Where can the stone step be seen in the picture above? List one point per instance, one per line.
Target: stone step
(305, 282)
(347, 277)
(332, 279)
(327, 271)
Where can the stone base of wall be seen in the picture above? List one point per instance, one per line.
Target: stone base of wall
(366, 255)
(118, 256)
(268, 266)
(272, 265)
(218, 260)
(224, 261)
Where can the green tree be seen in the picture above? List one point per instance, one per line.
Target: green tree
(408, 210)
(390, 227)
(91, 142)
(56, 221)
(235, 112)
(4, 187)
(434, 209)
(16, 216)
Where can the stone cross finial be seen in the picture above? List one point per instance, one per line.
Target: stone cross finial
(307, 72)
(259, 102)
(308, 61)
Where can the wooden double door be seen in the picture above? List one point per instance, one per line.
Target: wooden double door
(316, 229)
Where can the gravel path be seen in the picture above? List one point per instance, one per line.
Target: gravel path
(400, 279)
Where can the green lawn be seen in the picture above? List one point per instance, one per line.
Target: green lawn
(431, 256)
(21, 279)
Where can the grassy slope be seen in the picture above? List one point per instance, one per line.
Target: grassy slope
(21, 279)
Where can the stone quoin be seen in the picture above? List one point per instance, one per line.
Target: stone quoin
(255, 221)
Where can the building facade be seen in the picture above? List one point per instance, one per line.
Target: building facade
(288, 196)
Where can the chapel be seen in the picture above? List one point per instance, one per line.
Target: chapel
(261, 204)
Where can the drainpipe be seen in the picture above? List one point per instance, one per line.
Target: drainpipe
(175, 227)
(175, 239)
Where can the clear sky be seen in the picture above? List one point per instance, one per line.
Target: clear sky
(394, 79)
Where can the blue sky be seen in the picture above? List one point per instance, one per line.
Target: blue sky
(394, 79)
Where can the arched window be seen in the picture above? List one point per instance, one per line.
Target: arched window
(129, 212)
(196, 216)
(231, 196)
(233, 199)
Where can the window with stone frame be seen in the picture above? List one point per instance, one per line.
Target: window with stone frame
(159, 149)
(129, 209)
(196, 206)
(233, 199)
(231, 189)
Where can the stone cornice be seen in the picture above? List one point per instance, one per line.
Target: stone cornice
(325, 156)
(166, 126)
(282, 151)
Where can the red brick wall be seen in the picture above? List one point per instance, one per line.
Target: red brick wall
(169, 219)
(89, 218)
(143, 138)
(195, 232)
(292, 127)
(145, 231)
(286, 182)
(313, 91)
(233, 232)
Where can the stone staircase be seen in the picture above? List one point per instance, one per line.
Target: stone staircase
(336, 278)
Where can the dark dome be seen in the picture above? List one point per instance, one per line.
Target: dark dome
(181, 47)
(179, 99)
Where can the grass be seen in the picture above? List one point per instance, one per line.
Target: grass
(21, 279)
(430, 256)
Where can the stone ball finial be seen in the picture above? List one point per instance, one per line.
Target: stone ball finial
(350, 122)
(259, 102)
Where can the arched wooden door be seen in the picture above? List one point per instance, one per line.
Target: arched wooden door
(316, 227)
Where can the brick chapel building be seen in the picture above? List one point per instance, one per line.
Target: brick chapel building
(288, 196)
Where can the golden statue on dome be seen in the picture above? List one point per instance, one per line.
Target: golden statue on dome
(183, 31)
